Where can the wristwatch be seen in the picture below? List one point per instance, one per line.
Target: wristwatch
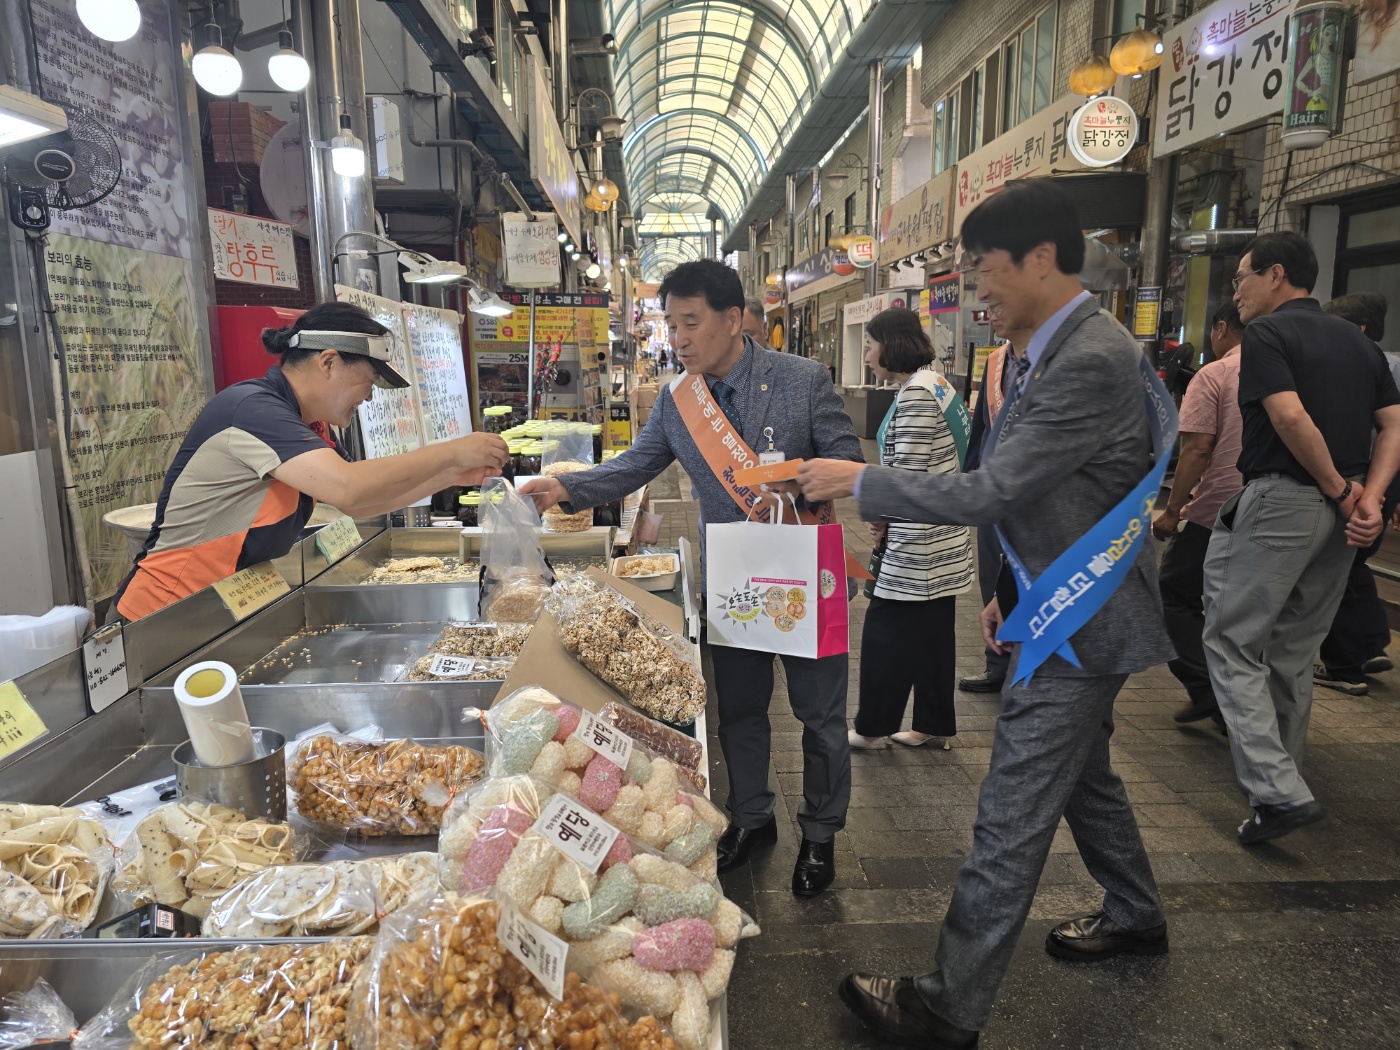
(1339, 500)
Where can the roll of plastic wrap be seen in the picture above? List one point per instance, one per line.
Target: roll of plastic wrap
(214, 714)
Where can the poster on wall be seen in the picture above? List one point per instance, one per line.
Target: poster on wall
(435, 344)
(390, 419)
(1377, 40)
(252, 250)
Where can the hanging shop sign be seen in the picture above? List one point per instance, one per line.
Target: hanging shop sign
(1377, 42)
(1032, 148)
(251, 250)
(1147, 313)
(861, 252)
(920, 220)
(531, 250)
(1312, 111)
(826, 270)
(945, 294)
(551, 163)
(862, 310)
(1224, 69)
(1103, 131)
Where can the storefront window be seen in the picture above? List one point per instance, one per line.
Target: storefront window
(1369, 260)
(1044, 57)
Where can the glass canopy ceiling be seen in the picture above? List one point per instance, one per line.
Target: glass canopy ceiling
(712, 89)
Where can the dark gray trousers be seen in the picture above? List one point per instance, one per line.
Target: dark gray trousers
(988, 565)
(817, 693)
(1049, 759)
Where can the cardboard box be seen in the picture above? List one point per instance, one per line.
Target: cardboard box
(647, 393)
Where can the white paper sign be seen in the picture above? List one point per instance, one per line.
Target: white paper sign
(435, 344)
(604, 738)
(104, 660)
(1222, 70)
(531, 250)
(451, 666)
(576, 831)
(252, 250)
(538, 950)
(390, 418)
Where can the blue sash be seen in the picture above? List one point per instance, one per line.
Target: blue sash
(1052, 607)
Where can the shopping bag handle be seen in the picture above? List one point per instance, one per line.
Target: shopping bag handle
(778, 501)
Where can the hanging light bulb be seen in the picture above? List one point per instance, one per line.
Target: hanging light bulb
(214, 69)
(574, 256)
(1137, 53)
(114, 20)
(593, 271)
(563, 236)
(1092, 77)
(347, 152)
(288, 69)
(606, 189)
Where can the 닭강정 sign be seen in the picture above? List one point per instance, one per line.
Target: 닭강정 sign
(252, 250)
(1103, 131)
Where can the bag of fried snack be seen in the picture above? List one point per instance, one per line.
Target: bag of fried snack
(54, 864)
(515, 577)
(35, 1015)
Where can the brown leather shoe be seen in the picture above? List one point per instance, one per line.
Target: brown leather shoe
(892, 1009)
(1096, 937)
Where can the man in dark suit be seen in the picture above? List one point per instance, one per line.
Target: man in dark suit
(1071, 441)
(759, 391)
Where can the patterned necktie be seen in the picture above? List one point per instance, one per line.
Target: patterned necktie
(724, 395)
(1018, 384)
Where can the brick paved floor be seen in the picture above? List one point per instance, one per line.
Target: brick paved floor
(1290, 945)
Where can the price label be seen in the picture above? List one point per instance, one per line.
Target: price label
(338, 539)
(256, 587)
(20, 725)
(538, 950)
(604, 738)
(104, 659)
(575, 831)
(451, 666)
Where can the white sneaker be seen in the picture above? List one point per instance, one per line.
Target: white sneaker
(913, 739)
(868, 743)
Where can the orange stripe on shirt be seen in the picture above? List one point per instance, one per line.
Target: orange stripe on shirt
(163, 578)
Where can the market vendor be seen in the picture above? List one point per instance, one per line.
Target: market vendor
(260, 456)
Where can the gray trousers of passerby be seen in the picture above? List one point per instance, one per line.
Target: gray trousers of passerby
(1274, 575)
(1049, 759)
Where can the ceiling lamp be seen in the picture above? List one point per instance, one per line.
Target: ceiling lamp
(114, 20)
(347, 151)
(592, 271)
(287, 68)
(214, 69)
(625, 221)
(1092, 77)
(24, 116)
(489, 304)
(593, 202)
(574, 256)
(840, 242)
(1137, 53)
(563, 236)
(423, 269)
(612, 126)
(606, 189)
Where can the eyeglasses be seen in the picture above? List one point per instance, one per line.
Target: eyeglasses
(1238, 279)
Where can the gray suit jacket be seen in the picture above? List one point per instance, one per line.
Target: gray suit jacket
(1074, 444)
(791, 394)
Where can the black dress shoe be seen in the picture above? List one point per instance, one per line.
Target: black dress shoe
(1194, 712)
(816, 868)
(736, 844)
(1096, 937)
(892, 1009)
(1271, 822)
(981, 683)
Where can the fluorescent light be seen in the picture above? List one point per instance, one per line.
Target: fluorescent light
(489, 304)
(286, 67)
(593, 271)
(214, 69)
(24, 116)
(347, 151)
(424, 270)
(114, 20)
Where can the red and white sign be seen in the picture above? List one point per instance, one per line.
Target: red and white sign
(252, 250)
(862, 252)
(1103, 132)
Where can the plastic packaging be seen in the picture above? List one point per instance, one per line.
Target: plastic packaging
(568, 449)
(640, 657)
(188, 853)
(619, 919)
(37, 1015)
(29, 642)
(661, 739)
(341, 897)
(440, 976)
(515, 578)
(288, 996)
(439, 667)
(483, 639)
(398, 787)
(54, 864)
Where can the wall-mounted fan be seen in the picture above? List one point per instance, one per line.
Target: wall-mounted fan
(70, 169)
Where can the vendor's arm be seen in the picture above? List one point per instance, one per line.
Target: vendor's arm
(377, 486)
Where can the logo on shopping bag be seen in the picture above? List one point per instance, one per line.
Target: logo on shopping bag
(784, 605)
(744, 604)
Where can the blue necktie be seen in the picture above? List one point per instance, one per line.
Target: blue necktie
(724, 395)
(1023, 368)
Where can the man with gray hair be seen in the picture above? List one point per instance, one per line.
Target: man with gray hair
(756, 323)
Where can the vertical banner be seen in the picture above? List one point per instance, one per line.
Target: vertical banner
(390, 419)
(435, 344)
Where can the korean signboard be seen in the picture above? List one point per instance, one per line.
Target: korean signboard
(1224, 70)
(551, 163)
(862, 252)
(818, 273)
(919, 220)
(252, 250)
(944, 294)
(1103, 131)
(1312, 112)
(531, 250)
(1030, 149)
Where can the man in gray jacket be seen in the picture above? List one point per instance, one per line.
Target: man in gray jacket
(1071, 441)
(765, 395)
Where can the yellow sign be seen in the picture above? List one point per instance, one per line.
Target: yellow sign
(20, 725)
(338, 539)
(256, 587)
(979, 362)
(1147, 313)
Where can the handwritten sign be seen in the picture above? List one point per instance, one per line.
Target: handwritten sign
(531, 250)
(919, 220)
(576, 831)
(538, 950)
(104, 661)
(20, 724)
(256, 587)
(435, 344)
(337, 539)
(390, 419)
(1224, 69)
(252, 250)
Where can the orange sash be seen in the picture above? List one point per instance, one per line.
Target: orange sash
(991, 381)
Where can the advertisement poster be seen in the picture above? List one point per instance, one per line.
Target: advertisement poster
(132, 354)
(252, 250)
(435, 343)
(1377, 40)
(389, 419)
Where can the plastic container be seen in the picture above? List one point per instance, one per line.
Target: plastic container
(469, 508)
(496, 419)
(656, 581)
(134, 523)
(29, 642)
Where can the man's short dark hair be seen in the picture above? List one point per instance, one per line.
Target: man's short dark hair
(754, 307)
(1023, 216)
(904, 347)
(719, 284)
(1362, 308)
(1230, 314)
(1289, 250)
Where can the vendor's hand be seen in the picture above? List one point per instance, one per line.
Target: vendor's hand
(991, 624)
(877, 530)
(480, 450)
(824, 479)
(1365, 522)
(1164, 525)
(546, 492)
